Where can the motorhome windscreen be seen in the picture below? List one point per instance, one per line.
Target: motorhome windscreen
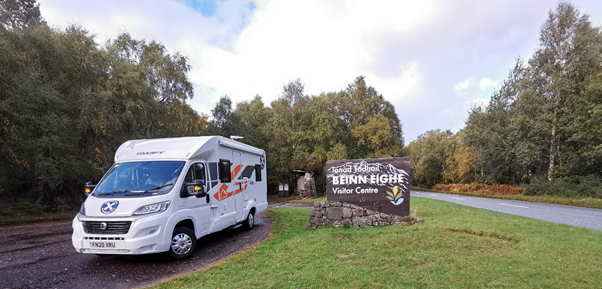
(138, 179)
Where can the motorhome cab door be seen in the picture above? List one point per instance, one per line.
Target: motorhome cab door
(236, 162)
(200, 206)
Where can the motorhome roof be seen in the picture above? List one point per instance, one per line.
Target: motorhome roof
(179, 148)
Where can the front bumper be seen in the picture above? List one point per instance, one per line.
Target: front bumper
(145, 236)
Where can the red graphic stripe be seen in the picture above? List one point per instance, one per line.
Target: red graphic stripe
(235, 172)
(222, 193)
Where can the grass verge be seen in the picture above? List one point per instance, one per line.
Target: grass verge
(577, 202)
(322, 198)
(293, 199)
(456, 247)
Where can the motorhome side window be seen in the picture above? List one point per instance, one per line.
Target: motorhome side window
(199, 172)
(224, 171)
(189, 176)
(258, 173)
(196, 172)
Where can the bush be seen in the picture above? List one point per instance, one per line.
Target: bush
(495, 189)
(587, 186)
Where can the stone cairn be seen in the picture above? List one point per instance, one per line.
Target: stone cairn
(306, 186)
(339, 214)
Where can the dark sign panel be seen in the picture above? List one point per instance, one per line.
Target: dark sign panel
(377, 184)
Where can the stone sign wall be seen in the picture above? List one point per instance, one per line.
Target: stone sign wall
(381, 185)
(339, 214)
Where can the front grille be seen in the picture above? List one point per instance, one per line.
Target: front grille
(94, 227)
(105, 238)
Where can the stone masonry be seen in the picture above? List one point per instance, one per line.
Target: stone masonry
(339, 214)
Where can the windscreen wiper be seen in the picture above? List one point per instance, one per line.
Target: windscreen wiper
(159, 187)
(133, 194)
(112, 193)
(105, 194)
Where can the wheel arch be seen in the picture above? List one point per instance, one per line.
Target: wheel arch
(186, 223)
(182, 218)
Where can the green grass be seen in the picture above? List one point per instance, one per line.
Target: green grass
(456, 247)
(322, 198)
(293, 199)
(577, 202)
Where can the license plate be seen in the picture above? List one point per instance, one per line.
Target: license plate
(106, 245)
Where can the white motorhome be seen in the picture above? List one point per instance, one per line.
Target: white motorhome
(161, 195)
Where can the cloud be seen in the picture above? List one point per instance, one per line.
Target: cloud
(431, 59)
(472, 87)
(475, 92)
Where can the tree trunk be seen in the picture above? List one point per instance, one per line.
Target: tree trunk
(552, 154)
(15, 193)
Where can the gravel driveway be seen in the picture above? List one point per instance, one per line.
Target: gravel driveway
(41, 256)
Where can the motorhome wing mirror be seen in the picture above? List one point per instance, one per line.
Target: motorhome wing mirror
(198, 188)
(89, 187)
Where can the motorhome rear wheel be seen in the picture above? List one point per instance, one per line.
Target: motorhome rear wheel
(250, 221)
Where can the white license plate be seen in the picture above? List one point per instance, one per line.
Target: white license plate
(103, 245)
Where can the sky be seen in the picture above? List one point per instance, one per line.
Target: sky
(433, 60)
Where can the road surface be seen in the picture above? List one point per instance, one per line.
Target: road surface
(41, 256)
(574, 216)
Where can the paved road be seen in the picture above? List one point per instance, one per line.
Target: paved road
(41, 256)
(574, 216)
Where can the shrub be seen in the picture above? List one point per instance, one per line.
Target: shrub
(587, 186)
(495, 189)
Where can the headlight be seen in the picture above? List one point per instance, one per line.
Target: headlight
(151, 209)
(82, 210)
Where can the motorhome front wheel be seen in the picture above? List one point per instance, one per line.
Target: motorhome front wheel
(183, 243)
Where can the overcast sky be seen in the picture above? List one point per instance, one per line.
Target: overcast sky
(432, 59)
